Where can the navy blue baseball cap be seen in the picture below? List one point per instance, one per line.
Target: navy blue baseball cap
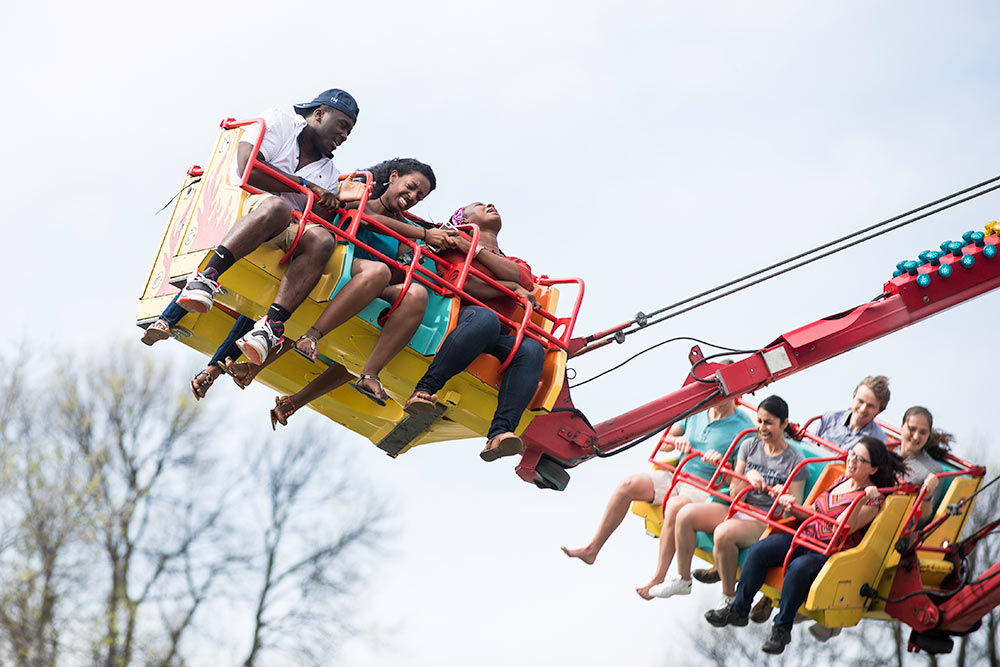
(340, 100)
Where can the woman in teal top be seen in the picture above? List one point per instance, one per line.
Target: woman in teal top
(398, 185)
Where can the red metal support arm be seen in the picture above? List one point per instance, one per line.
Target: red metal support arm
(909, 300)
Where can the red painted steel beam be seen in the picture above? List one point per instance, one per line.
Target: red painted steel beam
(566, 436)
(962, 611)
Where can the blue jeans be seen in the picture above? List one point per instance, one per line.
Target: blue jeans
(228, 347)
(173, 313)
(478, 331)
(803, 567)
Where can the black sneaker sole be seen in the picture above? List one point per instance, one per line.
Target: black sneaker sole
(738, 621)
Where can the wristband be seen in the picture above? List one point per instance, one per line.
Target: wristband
(304, 181)
(424, 237)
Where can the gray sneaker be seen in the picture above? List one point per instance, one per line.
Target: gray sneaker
(198, 293)
(259, 342)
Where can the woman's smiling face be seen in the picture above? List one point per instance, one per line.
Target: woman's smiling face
(405, 191)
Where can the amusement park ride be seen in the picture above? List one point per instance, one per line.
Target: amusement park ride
(904, 568)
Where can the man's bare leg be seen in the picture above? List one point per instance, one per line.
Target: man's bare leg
(266, 221)
(305, 268)
(637, 487)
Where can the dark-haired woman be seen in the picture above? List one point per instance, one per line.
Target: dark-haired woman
(766, 461)
(870, 466)
(399, 184)
(923, 448)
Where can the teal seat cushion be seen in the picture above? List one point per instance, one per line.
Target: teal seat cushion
(434, 326)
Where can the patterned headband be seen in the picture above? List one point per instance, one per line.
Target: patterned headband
(458, 217)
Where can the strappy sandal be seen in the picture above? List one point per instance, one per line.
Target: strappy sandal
(155, 332)
(420, 403)
(282, 410)
(200, 387)
(238, 370)
(308, 344)
(378, 396)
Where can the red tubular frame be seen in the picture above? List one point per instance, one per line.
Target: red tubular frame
(414, 270)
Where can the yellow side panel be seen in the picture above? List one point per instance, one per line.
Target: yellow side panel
(205, 210)
(653, 515)
(835, 597)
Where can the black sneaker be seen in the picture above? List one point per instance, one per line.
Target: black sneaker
(761, 611)
(725, 615)
(779, 639)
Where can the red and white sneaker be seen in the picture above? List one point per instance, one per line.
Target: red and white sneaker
(259, 342)
(198, 293)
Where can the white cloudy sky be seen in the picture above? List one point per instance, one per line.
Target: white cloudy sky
(651, 148)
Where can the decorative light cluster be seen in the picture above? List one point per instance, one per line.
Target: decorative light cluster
(953, 248)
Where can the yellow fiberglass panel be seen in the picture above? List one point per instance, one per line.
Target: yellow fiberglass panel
(835, 598)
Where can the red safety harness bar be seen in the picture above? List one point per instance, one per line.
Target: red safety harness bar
(562, 327)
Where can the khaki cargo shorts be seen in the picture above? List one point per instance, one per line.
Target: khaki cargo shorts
(282, 240)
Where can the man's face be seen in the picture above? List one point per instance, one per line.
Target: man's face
(864, 408)
(332, 128)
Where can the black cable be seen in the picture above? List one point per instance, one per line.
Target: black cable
(684, 415)
(577, 412)
(713, 356)
(804, 263)
(963, 501)
(830, 243)
(871, 593)
(183, 188)
(653, 347)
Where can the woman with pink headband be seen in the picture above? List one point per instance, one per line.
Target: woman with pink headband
(479, 331)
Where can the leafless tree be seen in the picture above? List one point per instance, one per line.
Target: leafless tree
(316, 520)
(122, 522)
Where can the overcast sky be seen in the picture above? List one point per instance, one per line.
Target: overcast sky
(652, 148)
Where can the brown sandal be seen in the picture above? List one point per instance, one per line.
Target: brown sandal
(420, 403)
(308, 344)
(377, 394)
(504, 444)
(241, 371)
(199, 386)
(155, 332)
(283, 409)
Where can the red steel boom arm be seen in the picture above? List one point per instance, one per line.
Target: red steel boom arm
(965, 272)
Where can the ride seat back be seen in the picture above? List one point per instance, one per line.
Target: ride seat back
(835, 598)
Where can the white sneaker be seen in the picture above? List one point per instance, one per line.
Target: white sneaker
(259, 341)
(672, 586)
(725, 602)
(198, 293)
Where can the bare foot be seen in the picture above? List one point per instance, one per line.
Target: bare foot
(644, 591)
(585, 554)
